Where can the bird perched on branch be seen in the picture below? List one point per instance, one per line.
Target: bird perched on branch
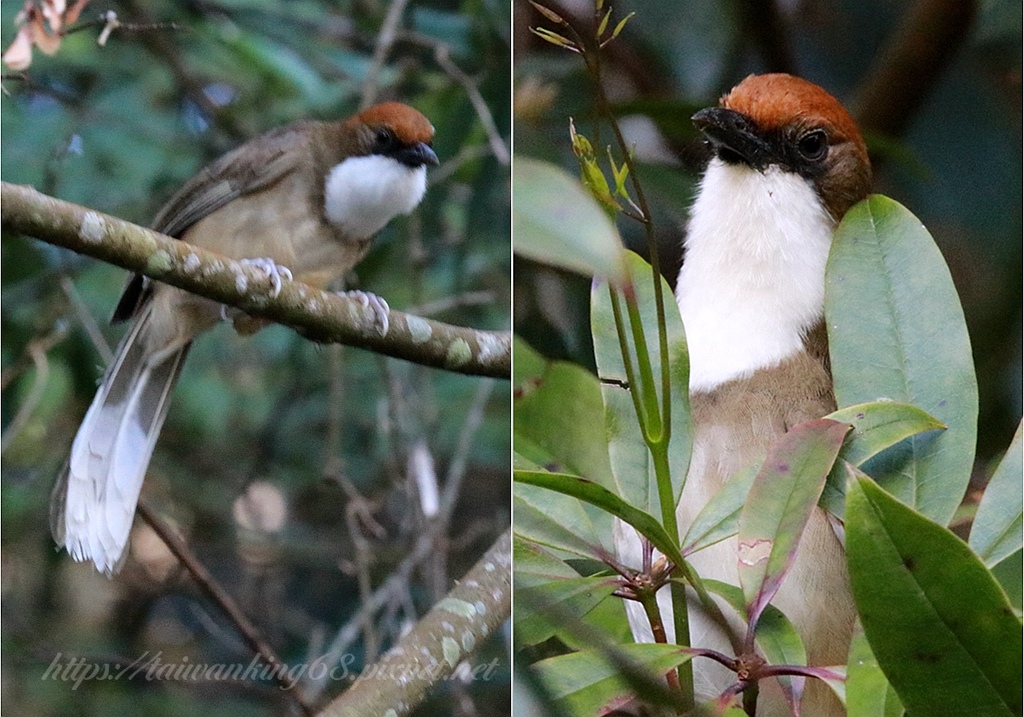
(302, 201)
(787, 162)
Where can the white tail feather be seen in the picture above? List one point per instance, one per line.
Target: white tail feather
(112, 450)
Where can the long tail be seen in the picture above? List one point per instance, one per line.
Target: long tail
(94, 501)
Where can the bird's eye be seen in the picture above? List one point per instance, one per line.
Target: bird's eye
(383, 138)
(813, 145)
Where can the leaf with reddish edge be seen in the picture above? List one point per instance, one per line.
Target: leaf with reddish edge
(779, 505)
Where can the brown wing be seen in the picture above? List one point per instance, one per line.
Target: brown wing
(249, 168)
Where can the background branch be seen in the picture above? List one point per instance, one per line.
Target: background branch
(445, 636)
(212, 589)
(318, 315)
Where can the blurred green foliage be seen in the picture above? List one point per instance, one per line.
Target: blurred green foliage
(119, 128)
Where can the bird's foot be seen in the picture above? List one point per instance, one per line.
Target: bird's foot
(275, 273)
(376, 305)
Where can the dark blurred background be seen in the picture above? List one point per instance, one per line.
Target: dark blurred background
(934, 84)
(289, 468)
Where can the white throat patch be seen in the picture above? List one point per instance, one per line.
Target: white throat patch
(362, 194)
(753, 276)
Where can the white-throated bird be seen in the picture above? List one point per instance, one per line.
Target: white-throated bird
(787, 162)
(304, 201)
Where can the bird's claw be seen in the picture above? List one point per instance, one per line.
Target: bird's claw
(376, 304)
(276, 273)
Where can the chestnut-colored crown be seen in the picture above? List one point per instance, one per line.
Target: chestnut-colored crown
(776, 100)
(778, 111)
(408, 125)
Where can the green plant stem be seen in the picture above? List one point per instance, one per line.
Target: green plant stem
(657, 428)
(750, 698)
(657, 441)
(680, 610)
(657, 432)
(627, 359)
(604, 109)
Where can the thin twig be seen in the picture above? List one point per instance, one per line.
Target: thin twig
(349, 632)
(36, 350)
(469, 153)
(442, 53)
(212, 589)
(385, 40)
(163, 49)
(86, 318)
(457, 467)
(447, 303)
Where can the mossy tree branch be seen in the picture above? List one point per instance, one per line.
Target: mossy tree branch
(320, 316)
(444, 637)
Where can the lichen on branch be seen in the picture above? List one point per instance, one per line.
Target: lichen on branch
(320, 316)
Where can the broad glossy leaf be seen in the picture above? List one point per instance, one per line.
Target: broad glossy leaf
(555, 422)
(896, 330)
(534, 565)
(597, 495)
(555, 221)
(630, 457)
(548, 592)
(935, 617)
(1010, 574)
(557, 521)
(999, 522)
(541, 611)
(609, 617)
(784, 493)
(868, 693)
(527, 365)
(586, 681)
(876, 426)
(720, 517)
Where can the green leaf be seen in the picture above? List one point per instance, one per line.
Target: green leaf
(557, 521)
(554, 422)
(622, 24)
(876, 426)
(586, 681)
(784, 493)
(591, 174)
(936, 619)
(527, 365)
(998, 524)
(868, 693)
(548, 591)
(720, 517)
(629, 454)
(555, 221)
(603, 25)
(597, 495)
(609, 617)
(896, 330)
(1010, 574)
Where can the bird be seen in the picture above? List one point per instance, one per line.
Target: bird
(787, 162)
(299, 202)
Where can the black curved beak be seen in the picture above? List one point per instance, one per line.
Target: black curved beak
(733, 137)
(416, 155)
